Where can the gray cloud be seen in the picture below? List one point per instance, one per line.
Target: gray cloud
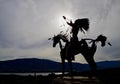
(114, 50)
(25, 25)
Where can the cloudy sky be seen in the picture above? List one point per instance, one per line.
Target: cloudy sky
(26, 25)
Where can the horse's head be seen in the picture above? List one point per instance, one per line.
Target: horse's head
(55, 39)
(102, 39)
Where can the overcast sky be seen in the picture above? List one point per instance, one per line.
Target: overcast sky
(26, 25)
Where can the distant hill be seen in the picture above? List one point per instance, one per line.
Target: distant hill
(108, 64)
(44, 65)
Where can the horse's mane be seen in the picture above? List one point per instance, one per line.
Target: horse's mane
(64, 37)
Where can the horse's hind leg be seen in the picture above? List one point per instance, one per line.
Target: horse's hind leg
(92, 61)
(92, 65)
(70, 66)
(63, 67)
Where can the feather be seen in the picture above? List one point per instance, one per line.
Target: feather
(64, 17)
(109, 44)
(49, 38)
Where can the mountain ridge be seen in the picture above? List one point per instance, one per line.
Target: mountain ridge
(45, 65)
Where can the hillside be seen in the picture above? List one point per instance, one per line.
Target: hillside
(44, 65)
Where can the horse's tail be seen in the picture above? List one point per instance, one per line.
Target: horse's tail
(102, 39)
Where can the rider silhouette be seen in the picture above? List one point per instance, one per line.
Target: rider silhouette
(79, 24)
(75, 30)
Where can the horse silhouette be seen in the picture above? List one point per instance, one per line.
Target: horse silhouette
(70, 50)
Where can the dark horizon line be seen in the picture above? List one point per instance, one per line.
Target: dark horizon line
(49, 59)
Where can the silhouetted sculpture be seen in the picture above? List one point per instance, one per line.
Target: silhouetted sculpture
(82, 47)
(74, 46)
